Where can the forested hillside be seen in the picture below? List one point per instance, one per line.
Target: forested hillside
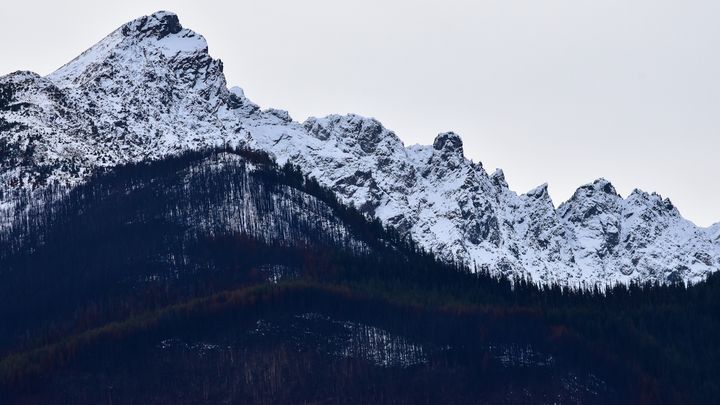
(217, 276)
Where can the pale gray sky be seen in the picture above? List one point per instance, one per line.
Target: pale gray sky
(557, 91)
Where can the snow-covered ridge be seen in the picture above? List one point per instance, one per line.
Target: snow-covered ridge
(150, 89)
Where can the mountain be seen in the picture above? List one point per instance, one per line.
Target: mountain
(150, 90)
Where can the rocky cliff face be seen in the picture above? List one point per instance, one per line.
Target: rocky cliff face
(150, 89)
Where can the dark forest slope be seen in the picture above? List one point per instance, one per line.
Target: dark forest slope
(218, 277)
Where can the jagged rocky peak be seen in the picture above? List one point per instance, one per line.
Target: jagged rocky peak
(539, 193)
(159, 24)
(236, 100)
(143, 46)
(448, 155)
(498, 179)
(598, 186)
(449, 142)
(595, 216)
(282, 115)
(639, 199)
(591, 199)
(352, 129)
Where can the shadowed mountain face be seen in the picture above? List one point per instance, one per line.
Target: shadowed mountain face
(150, 89)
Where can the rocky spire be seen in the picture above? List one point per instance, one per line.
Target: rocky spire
(498, 179)
(159, 24)
(449, 142)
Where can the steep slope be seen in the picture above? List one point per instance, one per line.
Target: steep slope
(642, 236)
(198, 221)
(150, 89)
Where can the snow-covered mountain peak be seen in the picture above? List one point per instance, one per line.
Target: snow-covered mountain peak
(600, 185)
(353, 130)
(539, 192)
(449, 142)
(498, 179)
(644, 200)
(591, 200)
(150, 89)
(157, 39)
(159, 24)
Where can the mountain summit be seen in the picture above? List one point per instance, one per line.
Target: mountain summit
(150, 90)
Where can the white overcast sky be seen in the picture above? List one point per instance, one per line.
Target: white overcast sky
(557, 91)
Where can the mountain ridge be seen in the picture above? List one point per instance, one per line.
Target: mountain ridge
(150, 89)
